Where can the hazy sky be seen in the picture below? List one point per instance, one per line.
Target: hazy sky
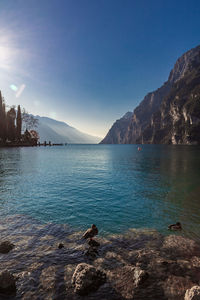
(88, 62)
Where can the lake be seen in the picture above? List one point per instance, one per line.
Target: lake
(115, 187)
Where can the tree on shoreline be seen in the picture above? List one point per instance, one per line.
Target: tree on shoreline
(11, 116)
(19, 123)
(3, 126)
(11, 125)
(29, 121)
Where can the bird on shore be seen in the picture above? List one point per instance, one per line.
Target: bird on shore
(60, 246)
(175, 227)
(91, 232)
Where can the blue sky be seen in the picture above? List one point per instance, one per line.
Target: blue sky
(88, 62)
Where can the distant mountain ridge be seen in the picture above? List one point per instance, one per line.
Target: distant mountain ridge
(169, 115)
(60, 132)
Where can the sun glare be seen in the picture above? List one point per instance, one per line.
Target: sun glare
(6, 59)
(12, 54)
(13, 60)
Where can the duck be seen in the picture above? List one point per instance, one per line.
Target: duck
(175, 227)
(60, 246)
(91, 232)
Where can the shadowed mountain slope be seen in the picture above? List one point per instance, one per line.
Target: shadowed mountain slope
(60, 132)
(169, 108)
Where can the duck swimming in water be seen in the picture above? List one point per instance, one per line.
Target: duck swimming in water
(175, 227)
(91, 232)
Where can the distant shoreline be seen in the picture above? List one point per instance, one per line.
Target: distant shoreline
(29, 145)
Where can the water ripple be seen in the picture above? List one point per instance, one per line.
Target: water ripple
(114, 186)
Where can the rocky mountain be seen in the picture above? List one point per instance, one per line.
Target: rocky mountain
(117, 133)
(60, 132)
(169, 115)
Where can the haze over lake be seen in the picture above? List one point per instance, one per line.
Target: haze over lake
(116, 187)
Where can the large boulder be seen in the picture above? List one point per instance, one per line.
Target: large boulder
(6, 246)
(178, 246)
(128, 280)
(139, 276)
(193, 293)
(7, 283)
(175, 286)
(87, 278)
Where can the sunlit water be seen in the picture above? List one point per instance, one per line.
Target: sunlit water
(116, 187)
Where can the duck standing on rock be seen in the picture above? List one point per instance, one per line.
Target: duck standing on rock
(91, 232)
(175, 227)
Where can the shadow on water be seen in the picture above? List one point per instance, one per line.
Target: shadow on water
(43, 270)
(182, 167)
(158, 186)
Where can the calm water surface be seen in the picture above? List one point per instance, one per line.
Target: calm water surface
(113, 186)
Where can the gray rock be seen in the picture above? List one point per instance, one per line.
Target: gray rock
(139, 276)
(193, 293)
(128, 280)
(175, 286)
(5, 247)
(7, 283)
(93, 243)
(87, 278)
(92, 252)
(179, 246)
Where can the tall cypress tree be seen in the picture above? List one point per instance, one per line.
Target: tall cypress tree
(1, 117)
(11, 116)
(19, 123)
(4, 122)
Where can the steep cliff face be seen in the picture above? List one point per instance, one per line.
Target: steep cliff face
(178, 119)
(147, 122)
(117, 133)
(183, 64)
(142, 114)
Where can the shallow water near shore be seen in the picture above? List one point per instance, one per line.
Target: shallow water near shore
(114, 186)
(42, 270)
(45, 272)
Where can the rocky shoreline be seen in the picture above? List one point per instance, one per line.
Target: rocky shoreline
(139, 264)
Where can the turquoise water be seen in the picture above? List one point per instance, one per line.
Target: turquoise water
(114, 186)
